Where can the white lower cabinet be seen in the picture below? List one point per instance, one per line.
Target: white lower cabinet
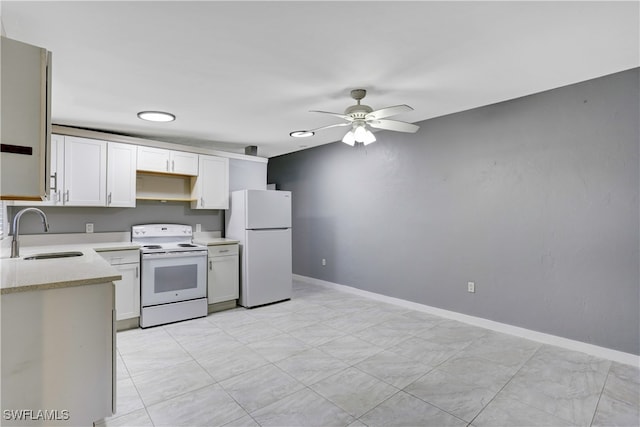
(59, 355)
(223, 277)
(127, 262)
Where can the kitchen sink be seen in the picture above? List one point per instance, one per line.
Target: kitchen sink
(54, 255)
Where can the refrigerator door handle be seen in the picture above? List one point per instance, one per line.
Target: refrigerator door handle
(267, 229)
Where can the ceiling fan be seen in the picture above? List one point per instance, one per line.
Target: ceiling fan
(359, 116)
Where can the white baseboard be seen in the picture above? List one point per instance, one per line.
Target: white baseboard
(594, 350)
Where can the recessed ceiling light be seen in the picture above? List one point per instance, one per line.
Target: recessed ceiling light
(156, 116)
(302, 133)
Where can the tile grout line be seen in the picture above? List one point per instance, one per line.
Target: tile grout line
(145, 405)
(506, 384)
(604, 384)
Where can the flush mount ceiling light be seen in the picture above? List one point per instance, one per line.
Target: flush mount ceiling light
(302, 133)
(156, 116)
(360, 116)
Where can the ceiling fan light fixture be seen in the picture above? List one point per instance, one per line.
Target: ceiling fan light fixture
(361, 117)
(360, 133)
(349, 138)
(369, 137)
(156, 116)
(301, 133)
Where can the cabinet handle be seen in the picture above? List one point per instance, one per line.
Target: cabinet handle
(109, 199)
(58, 195)
(137, 272)
(210, 265)
(173, 165)
(223, 251)
(201, 202)
(66, 196)
(167, 165)
(55, 181)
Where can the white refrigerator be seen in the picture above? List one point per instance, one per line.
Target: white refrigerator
(261, 221)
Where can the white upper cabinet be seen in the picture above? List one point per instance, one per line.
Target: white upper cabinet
(153, 159)
(90, 172)
(211, 186)
(184, 163)
(167, 161)
(54, 198)
(85, 172)
(95, 172)
(121, 175)
(25, 96)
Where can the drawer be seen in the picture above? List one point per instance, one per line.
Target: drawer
(121, 257)
(223, 250)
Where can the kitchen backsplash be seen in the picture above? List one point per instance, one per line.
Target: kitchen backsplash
(73, 219)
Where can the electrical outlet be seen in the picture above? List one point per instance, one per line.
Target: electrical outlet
(88, 227)
(471, 287)
(324, 261)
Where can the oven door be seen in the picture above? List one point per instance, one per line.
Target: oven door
(173, 276)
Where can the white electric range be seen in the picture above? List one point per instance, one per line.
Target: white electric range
(173, 283)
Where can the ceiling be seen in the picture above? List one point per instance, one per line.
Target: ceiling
(242, 73)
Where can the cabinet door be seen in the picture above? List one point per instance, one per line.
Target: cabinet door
(25, 116)
(211, 190)
(128, 291)
(57, 170)
(223, 278)
(184, 163)
(153, 159)
(85, 172)
(54, 197)
(121, 175)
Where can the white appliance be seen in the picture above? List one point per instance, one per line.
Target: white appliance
(173, 283)
(261, 221)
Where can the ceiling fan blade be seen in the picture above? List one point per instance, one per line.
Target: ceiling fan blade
(388, 112)
(330, 126)
(395, 125)
(342, 116)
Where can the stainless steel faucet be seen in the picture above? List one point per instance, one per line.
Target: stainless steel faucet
(15, 246)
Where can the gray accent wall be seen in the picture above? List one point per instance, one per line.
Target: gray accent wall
(536, 200)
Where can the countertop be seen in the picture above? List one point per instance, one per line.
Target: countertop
(214, 241)
(20, 275)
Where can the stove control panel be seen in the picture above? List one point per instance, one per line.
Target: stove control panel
(161, 230)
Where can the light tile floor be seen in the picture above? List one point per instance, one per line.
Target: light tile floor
(329, 358)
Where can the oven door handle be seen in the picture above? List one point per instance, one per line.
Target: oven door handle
(165, 255)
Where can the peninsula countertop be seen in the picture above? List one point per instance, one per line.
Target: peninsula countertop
(21, 275)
